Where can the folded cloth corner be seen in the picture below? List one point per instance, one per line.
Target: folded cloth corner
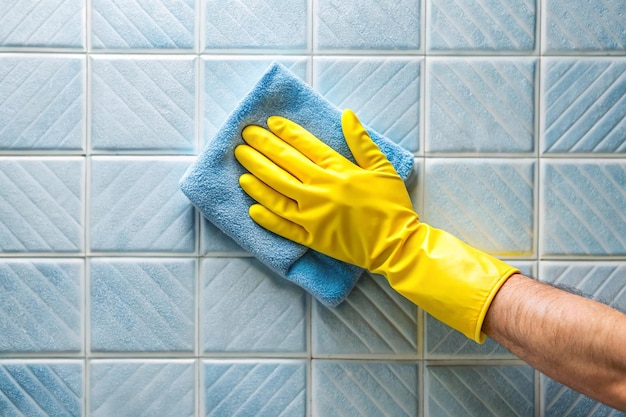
(212, 182)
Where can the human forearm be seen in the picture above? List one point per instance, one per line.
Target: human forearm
(575, 341)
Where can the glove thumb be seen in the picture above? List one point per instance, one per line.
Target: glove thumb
(364, 150)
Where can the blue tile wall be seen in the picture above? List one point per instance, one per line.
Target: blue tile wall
(481, 25)
(239, 296)
(367, 25)
(374, 320)
(41, 388)
(580, 26)
(584, 102)
(43, 99)
(142, 388)
(142, 304)
(370, 388)
(494, 197)
(143, 104)
(166, 24)
(481, 391)
(256, 24)
(44, 24)
(480, 105)
(247, 387)
(583, 204)
(136, 205)
(42, 204)
(118, 299)
(41, 305)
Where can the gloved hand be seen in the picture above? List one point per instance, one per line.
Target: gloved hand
(308, 193)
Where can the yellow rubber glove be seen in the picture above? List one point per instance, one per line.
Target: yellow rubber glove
(308, 193)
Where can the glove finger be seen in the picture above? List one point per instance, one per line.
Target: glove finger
(365, 151)
(276, 224)
(268, 197)
(301, 139)
(278, 151)
(267, 171)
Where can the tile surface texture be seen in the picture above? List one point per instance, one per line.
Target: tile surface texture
(142, 304)
(142, 104)
(43, 101)
(152, 24)
(366, 25)
(141, 388)
(365, 388)
(239, 296)
(584, 102)
(244, 387)
(480, 391)
(41, 305)
(255, 24)
(480, 105)
(579, 26)
(118, 299)
(42, 204)
(481, 25)
(43, 24)
(41, 388)
(583, 204)
(494, 197)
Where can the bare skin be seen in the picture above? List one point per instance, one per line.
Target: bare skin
(576, 341)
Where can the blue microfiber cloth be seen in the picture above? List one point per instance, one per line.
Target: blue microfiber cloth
(212, 181)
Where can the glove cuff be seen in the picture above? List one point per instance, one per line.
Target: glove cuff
(447, 278)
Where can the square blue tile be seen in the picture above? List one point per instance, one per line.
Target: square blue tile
(227, 81)
(46, 23)
(142, 305)
(129, 388)
(373, 319)
(604, 281)
(560, 401)
(444, 342)
(487, 203)
(579, 25)
(248, 387)
(41, 305)
(583, 205)
(480, 105)
(585, 105)
(143, 24)
(367, 25)
(136, 205)
(360, 388)
(43, 102)
(38, 388)
(248, 308)
(41, 204)
(384, 93)
(256, 24)
(481, 25)
(480, 391)
(143, 104)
